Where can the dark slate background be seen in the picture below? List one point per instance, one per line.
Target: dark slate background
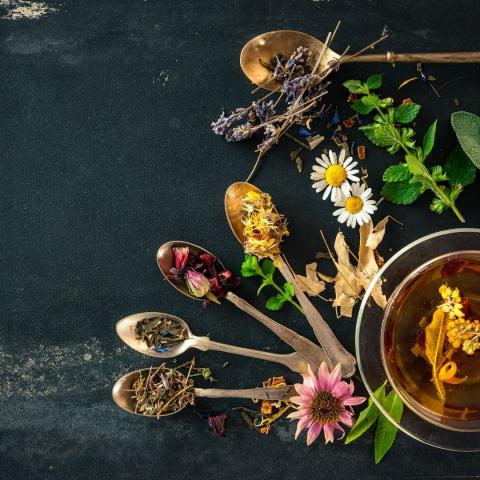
(107, 153)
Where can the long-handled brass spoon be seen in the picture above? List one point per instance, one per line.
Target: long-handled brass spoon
(264, 47)
(334, 350)
(122, 393)
(126, 331)
(311, 352)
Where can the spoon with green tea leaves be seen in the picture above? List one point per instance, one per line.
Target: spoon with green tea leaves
(162, 391)
(163, 335)
(200, 275)
(260, 229)
(267, 54)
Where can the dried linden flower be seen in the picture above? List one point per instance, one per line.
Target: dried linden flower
(264, 227)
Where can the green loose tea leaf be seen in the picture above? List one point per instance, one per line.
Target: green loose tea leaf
(429, 139)
(467, 128)
(459, 169)
(402, 193)
(397, 173)
(368, 416)
(406, 113)
(386, 431)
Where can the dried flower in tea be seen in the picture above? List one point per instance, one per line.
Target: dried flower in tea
(160, 333)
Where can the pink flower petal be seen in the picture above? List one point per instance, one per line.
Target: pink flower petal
(304, 390)
(354, 401)
(341, 390)
(346, 418)
(313, 432)
(302, 424)
(322, 377)
(328, 431)
(335, 376)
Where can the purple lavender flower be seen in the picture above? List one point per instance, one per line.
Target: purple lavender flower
(293, 88)
(224, 125)
(263, 110)
(242, 132)
(270, 138)
(297, 64)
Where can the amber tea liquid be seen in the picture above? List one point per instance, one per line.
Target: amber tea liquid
(416, 298)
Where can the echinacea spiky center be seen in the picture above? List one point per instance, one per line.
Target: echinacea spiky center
(353, 204)
(326, 408)
(335, 175)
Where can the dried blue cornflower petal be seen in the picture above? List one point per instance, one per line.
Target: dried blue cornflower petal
(305, 132)
(162, 349)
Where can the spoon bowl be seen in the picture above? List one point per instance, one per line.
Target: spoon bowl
(264, 47)
(126, 331)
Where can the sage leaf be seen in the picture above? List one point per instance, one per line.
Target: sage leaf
(386, 431)
(406, 113)
(459, 169)
(467, 128)
(368, 416)
(429, 139)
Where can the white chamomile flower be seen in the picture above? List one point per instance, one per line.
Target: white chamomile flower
(334, 175)
(356, 207)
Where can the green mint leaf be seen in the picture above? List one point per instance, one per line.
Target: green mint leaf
(276, 302)
(374, 81)
(437, 173)
(371, 100)
(397, 173)
(250, 266)
(388, 136)
(429, 139)
(268, 268)
(417, 168)
(425, 181)
(386, 102)
(367, 417)
(361, 108)
(355, 86)
(406, 113)
(467, 128)
(386, 431)
(459, 169)
(289, 290)
(402, 193)
(265, 283)
(369, 132)
(438, 205)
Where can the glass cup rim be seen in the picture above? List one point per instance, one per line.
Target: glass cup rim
(363, 305)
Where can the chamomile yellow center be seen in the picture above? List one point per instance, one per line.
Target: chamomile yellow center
(353, 204)
(335, 175)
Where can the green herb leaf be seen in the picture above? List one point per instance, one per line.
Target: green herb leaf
(355, 86)
(438, 205)
(467, 128)
(374, 81)
(268, 268)
(250, 266)
(386, 431)
(429, 139)
(361, 108)
(401, 193)
(276, 302)
(459, 169)
(438, 175)
(265, 283)
(406, 113)
(367, 417)
(397, 173)
(289, 290)
(388, 136)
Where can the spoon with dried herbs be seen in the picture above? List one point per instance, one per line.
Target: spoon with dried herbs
(260, 229)
(163, 335)
(162, 391)
(200, 275)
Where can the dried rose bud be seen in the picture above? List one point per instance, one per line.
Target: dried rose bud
(180, 256)
(198, 284)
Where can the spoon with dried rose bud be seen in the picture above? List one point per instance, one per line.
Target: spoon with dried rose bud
(163, 335)
(260, 229)
(200, 275)
(162, 391)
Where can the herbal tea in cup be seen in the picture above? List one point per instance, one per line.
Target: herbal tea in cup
(431, 340)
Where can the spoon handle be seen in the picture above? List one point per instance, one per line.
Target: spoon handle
(270, 393)
(312, 353)
(294, 361)
(334, 350)
(439, 57)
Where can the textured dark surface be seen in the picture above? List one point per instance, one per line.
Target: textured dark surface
(107, 153)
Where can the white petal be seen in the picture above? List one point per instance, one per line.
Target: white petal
(367, 194)
(334, 194)
(326, 160)
(339, 211)
(345, 188)
(353, 172)
(359, 218)
(354, 221)
(369, 209)
(319, 169)
(347, 161)
(362, 188)
(343, 216)
(341, 157)
(349, 220)
(333, 157)
(320, 185)
(327, 192)
(365, 217)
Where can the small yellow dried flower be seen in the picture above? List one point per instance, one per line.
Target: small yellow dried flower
(264, 227)
(453, 301)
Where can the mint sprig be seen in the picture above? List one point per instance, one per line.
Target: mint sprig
(266, 270)
(391, 129)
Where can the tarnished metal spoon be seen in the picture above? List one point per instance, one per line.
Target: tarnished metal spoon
(311, 352)
(126, 331)
(334, 350)
(264, 47)
(122, 393)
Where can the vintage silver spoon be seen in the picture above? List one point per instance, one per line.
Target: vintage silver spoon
(264, 47)
(126, 331)
(334, 350)
(122, 393)
(312, 353)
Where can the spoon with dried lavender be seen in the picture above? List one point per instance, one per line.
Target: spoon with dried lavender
(260, 229)
(163, 335)
(265, 56)
(162, 391)
(200, 275)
